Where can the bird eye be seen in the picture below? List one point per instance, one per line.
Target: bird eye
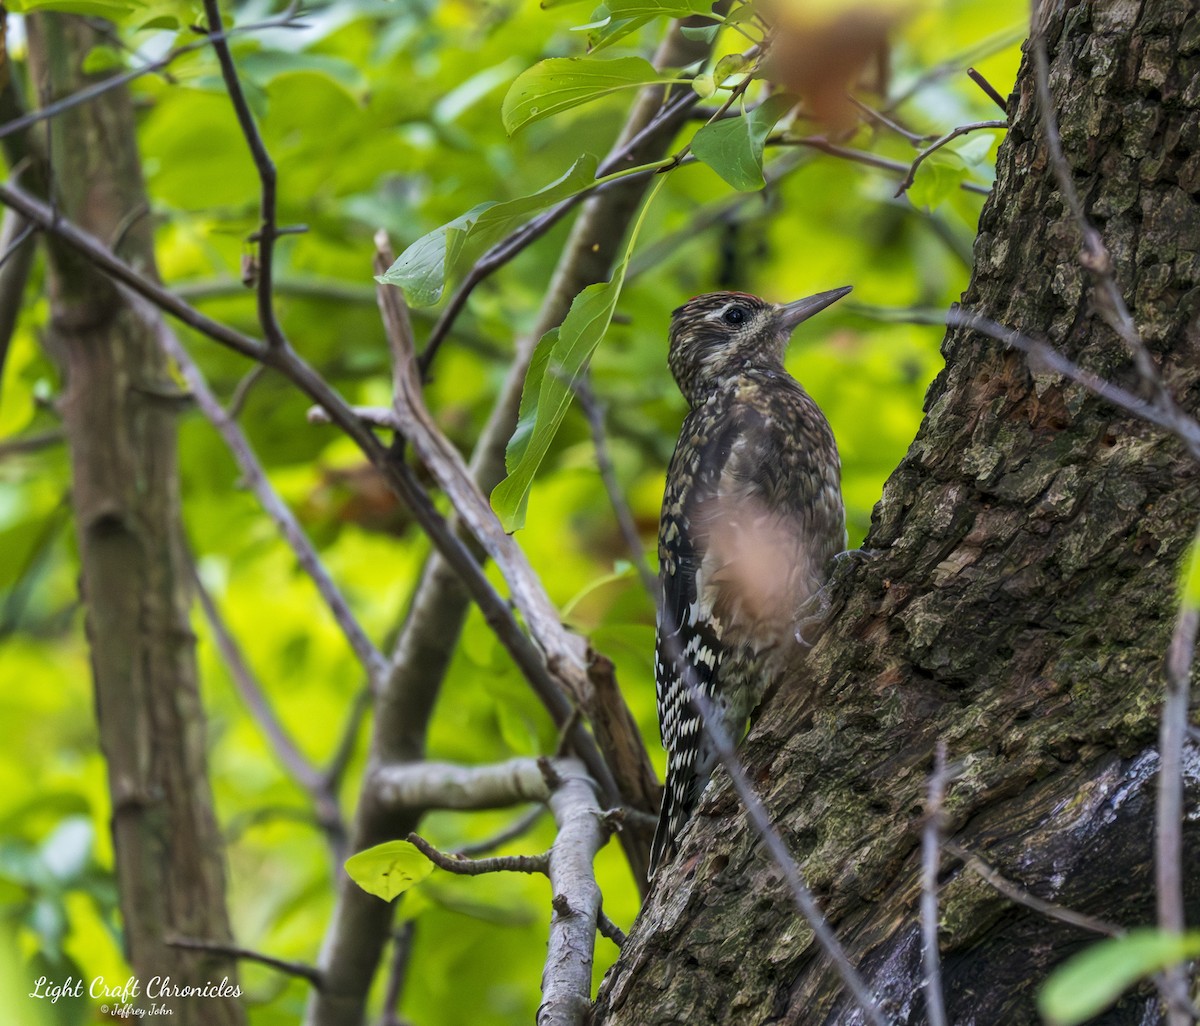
(734, 315)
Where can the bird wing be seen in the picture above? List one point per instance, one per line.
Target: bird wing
(688, 645)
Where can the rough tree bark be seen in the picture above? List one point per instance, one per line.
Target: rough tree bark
(119, 406)
(1019, 608)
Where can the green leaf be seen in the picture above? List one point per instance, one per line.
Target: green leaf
(388, 869)
(102, 58)
(423, 269)
(1091, 981)
(613, 31)
(1190, 585)
(560, 357)
(658, 8)
(701, 33)
(733, 148)
(560, 83)
(112, 9)
(973, 150)
(937, 178)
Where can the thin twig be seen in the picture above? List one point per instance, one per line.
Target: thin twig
(913, 137)
(1169, 817)
(462, 866)
(610, 930)
(518, 828)
(255, 478)
(26, 231)
(1022, 897)
(267, 230)
(286, 750)
(931, 854)
(1045, 358)
(762, 824)
(323, 797)
(51, 110)
(593, 410)
(992, 92)
(102, 257)
(344, 752)
(237, 401)
(402, 945)
(936, 145)
(1094, 255)
(25, 444)
(306, 972)
(667, 120)
(869, 159)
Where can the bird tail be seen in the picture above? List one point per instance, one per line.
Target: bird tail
(663, 848)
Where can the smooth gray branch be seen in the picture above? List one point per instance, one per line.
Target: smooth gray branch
(444, 785)
(567, 978)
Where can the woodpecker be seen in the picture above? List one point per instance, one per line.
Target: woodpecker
(752, 517)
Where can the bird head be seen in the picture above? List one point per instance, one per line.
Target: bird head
(717, 336)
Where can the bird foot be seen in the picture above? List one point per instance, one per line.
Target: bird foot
(815, 611)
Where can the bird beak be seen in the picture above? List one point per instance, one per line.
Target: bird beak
(792, 314)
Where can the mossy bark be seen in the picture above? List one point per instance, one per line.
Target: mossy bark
(119, 406)
(1018, 608)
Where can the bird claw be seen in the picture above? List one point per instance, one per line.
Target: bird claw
(815, 611)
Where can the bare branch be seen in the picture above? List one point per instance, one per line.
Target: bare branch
(24, 444)
(567, 979)
(286, 749)
(663, 125)
(1094, 256)
(463, 866)
(1170, 812)
(256, 480)
(402, 943)
(443, 785)
(1044, 358)
(51, 110)
(566, 656)
(267, 230)
(1022, 897)
(99, 254)
(913, 137)
(16, 262)
(306, 972)
(760, 821)
(931, 852)
(822, 144)
(611, 930)
(594, 412)
(344, 751)
(937, 144)
(992, 92)
(237, 401)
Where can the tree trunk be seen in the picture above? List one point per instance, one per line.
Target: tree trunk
(1018, 607)
(118, 409)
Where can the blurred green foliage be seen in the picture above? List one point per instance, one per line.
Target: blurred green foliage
(389, 113)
